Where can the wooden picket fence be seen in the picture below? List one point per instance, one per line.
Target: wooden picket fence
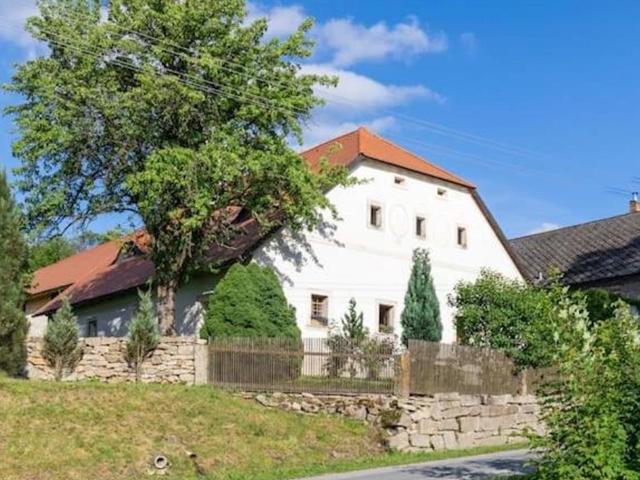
(314, 365)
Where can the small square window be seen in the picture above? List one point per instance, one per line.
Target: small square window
(462, 237)
(319, 310)
(398, 180)
(442, 192)
(385, 318)
(92, 328)
(375, 216)
(421, 227)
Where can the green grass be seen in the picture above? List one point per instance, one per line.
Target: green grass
(65, 431)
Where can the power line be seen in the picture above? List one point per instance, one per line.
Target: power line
(431, 126)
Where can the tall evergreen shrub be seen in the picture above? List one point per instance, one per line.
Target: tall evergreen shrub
(144, 334)
(61, 347)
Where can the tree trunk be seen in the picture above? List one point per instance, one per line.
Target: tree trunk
(167, 308)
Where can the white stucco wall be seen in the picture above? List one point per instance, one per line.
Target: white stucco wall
(113, 314)
(373, 266)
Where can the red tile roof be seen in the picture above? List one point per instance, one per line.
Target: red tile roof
(94, 274)
(74, 268)
(362, 142)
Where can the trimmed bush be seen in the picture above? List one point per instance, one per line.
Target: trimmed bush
(249, 302)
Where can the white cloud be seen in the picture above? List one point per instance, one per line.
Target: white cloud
(324, 129)
(469, 42)
(543, 227)
(14, 15)
(352, 42)
(360, 92)
(283, 21)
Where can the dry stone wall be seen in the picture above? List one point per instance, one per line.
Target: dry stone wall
(440, 422)
(176, 360)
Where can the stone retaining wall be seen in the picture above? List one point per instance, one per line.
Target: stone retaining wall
(176, 360)
(440, 422)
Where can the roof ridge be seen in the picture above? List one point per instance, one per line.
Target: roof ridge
(409, 152)
(575, 226)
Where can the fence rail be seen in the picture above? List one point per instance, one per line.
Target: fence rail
(317, 365)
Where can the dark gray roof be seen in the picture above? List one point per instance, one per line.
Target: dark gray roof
(588, 252)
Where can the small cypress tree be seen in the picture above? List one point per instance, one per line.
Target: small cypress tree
(421, 315)
(13, 322)
(144, 335)
(61, 347)
(352, 325)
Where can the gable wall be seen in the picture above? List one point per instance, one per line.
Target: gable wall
(373, 266)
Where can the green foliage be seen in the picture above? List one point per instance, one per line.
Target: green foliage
(344, 340)
(421, 315)
(143, 336)
(249, 302)
(506, 315)
(13, 323)
(61, 347)
(50, 251)
(592, 411)
(178, 139)
(601, 304)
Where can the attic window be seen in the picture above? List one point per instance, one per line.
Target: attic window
(442, 192)
(398, 180)
(319, 310)
(462, 237)
(421, 227)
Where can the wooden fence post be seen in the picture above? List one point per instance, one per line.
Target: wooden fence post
(403, 377)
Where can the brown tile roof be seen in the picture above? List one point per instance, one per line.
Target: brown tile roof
(362, 142)
(74, 268)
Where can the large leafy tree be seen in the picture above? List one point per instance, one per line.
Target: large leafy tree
(172, 111)
(421, 314)
(13, 323)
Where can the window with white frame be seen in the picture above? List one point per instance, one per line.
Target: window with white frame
(375, 215)
(385, 318)
(319, 310)
(462, 237)
(421, 227)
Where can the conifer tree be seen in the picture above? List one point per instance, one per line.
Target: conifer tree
(421, 315)
(144, 334)
(61, 347)
(13, 323)
(352, 325)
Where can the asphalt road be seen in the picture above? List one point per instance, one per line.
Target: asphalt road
(469, 468)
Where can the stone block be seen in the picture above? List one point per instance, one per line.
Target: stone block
(469, 424)
(420, 440)
(399, 441)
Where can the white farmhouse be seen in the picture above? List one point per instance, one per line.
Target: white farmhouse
(405, 203)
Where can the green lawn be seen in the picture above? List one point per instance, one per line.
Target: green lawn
(53, 431)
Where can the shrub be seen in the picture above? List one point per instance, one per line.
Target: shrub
(61, 349)
(144, 334)
(592, 412)
(506, 315)
(249, 302)
(343, 342)
(420, 318)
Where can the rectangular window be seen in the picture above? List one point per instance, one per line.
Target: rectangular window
(319, 310)
(375, 216)
(398, 180)
(462, 237)
(442, 192)
(92, 328)
(385, 318)
(421, 227)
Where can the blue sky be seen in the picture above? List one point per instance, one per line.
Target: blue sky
(541, 99)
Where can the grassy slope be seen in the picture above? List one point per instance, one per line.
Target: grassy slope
(52, 431)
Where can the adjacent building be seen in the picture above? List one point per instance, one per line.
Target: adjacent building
(404, 203)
